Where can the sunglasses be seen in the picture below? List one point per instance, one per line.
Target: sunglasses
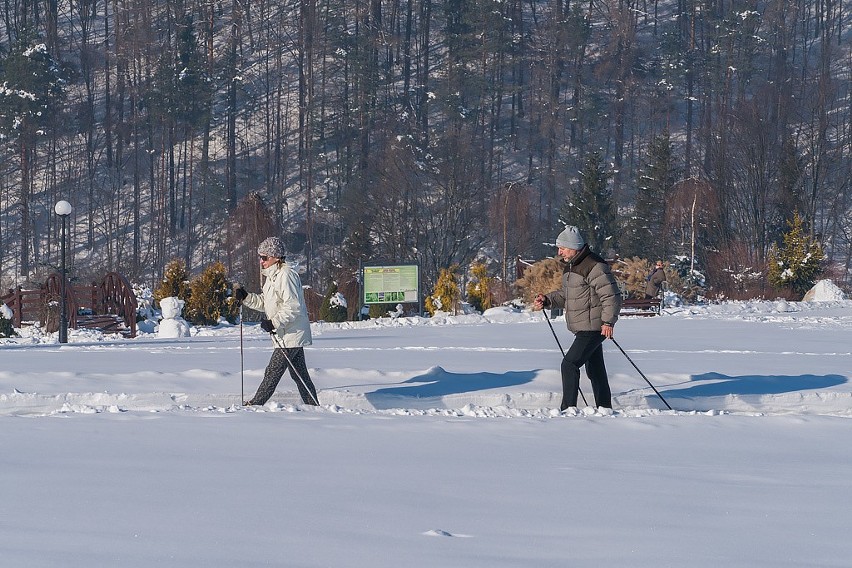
(264, 258)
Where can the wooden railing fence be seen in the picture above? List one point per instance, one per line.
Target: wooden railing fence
(109, 305)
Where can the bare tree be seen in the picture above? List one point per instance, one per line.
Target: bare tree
(250, 223)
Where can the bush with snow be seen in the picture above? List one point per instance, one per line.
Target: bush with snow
(334, 307)
(6, 315)
(144, 302)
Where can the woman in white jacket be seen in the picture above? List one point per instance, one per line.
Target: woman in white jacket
(283, 303)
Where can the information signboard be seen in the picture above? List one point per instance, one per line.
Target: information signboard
(399, 283)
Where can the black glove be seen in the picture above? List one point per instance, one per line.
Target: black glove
(240, 294)
(266, 325)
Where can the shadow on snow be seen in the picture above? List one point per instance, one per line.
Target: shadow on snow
(437, 382)
(715, 384)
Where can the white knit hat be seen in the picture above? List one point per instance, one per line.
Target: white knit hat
(570, 238)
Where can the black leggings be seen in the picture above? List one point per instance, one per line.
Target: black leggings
(586, 350)
(275, 370)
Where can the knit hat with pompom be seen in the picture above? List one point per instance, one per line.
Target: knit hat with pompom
(271, 246)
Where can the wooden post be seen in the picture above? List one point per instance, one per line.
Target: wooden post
(19, 306)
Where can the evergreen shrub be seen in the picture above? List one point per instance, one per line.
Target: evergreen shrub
(380, 310)
(479, 287)
(331, 309)
(446, 293)
(209, 297)
(175, 282)
(797, 264)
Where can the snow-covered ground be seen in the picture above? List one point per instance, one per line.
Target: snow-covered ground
(439, 443)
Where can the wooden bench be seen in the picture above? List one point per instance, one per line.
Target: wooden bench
(640, 307)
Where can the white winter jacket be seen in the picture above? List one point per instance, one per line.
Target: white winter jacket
(284, 303)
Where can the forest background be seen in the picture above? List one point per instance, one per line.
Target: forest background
(429, 131)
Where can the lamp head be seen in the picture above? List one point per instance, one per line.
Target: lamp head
(63, 208)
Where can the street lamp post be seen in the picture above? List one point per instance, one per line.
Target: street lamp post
(63, 209)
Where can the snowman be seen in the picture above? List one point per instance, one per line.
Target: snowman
(172, 325)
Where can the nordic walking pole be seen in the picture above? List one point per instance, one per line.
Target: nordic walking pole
(293, 367)
(553, 331)
(641, 373)
(242, 366)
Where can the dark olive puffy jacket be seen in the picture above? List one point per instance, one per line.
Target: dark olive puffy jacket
(589, 293)
(655, 281)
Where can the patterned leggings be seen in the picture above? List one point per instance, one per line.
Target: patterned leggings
(275, 370)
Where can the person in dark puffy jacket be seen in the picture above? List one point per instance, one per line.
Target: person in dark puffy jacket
(655, 281)
(592, 300)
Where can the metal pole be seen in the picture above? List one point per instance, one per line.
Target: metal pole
(63, 209)
(641, 373)
(361, 303)
(242, 366)
(553, 331)
(419, 292)
(63, 315)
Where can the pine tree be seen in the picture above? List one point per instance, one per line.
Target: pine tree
(446, 293)
(181, 90)
(798, 262)
(479, 287)
(593, 210)
(209, 297)
(193, 87)
(32, 86)
(645, 234)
